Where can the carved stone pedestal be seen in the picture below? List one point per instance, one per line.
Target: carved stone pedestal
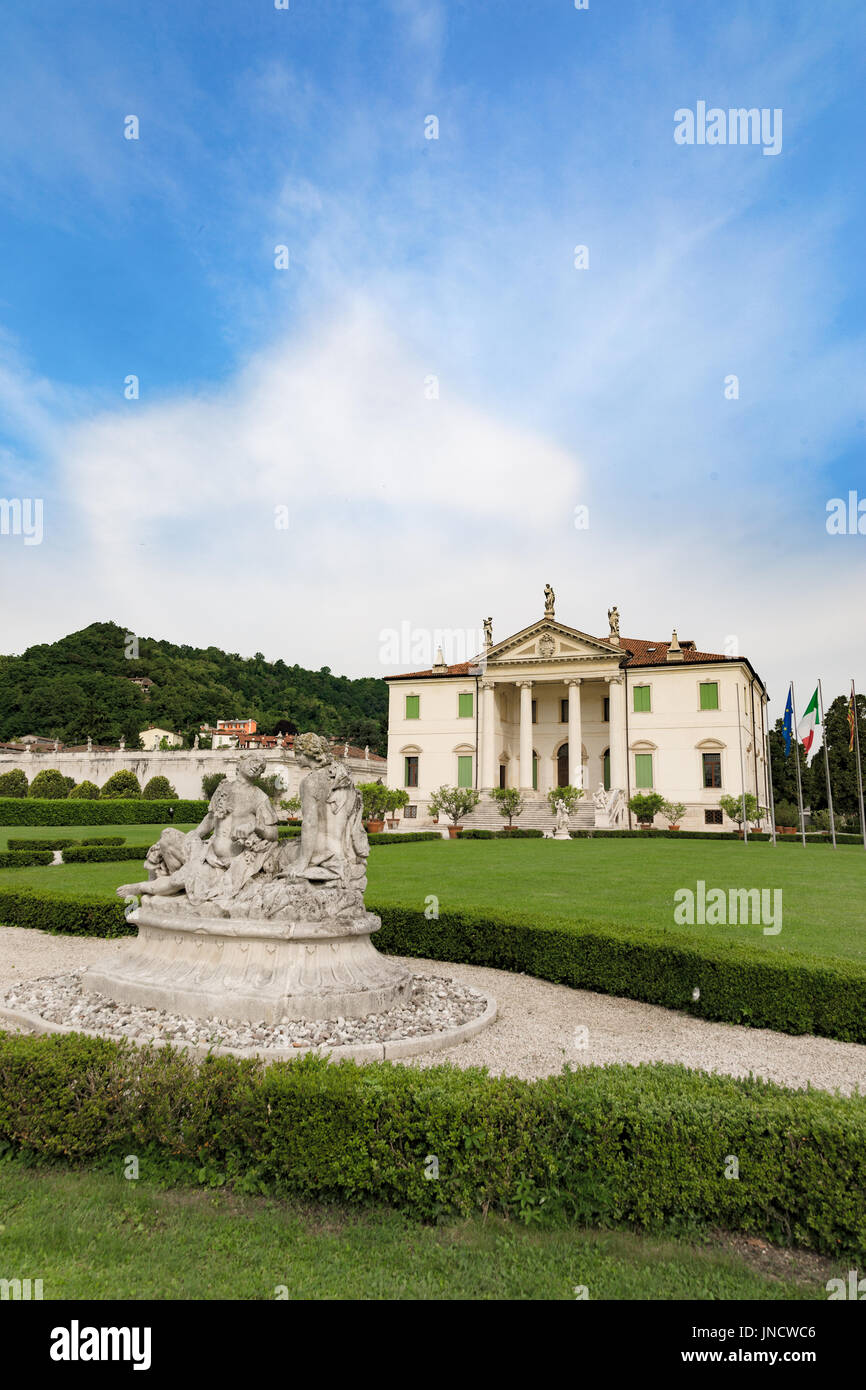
(250, 970)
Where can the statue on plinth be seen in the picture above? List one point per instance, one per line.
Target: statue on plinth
(562, 815)
(613, 619)
(549, 601)
(235, 923)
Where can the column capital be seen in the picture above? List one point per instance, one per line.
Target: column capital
(615, 680)
(523, 685)
(574, 680)
(487, 685)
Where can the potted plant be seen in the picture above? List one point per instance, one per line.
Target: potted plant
(646, 806)
(509, 803)
(396, 799)
(735, 810)
(457, 802)
(787, 818)
(292, 807)
(673, 812)
(374, 796)
(433, 808)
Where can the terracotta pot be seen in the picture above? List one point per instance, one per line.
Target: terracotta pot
(673, 827)
(786, 830)
(374, 827)
(435, 820)
(452, 831)
(392, 824)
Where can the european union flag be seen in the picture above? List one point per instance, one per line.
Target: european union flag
(787, 724)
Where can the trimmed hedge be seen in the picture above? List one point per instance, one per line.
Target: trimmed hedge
(103, 854)
(406, 837)
(518, 833)
(82, 916)
(24, 858)
(790, 992)
(40, 844)
(128, 812)
(644, 1146)
(817, 837)
(65, 844)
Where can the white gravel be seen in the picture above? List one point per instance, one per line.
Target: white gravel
(537, 1028)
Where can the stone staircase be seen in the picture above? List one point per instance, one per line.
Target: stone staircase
(537, 815)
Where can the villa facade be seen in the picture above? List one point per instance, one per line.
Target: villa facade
(553, 705)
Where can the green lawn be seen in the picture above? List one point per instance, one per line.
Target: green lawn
(92, 1235)
(132, 834)
(598, 880)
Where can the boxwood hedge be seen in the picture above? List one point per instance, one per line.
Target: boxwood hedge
(646, 1146)
(24, 858)
(17, 811)
(101, 854)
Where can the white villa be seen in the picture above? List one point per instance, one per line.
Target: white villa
(552, 705)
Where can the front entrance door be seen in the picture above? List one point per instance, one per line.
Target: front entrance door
(502, 775)
(562, 766)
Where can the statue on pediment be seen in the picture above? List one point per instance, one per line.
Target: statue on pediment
(613, 619)
(549, 601)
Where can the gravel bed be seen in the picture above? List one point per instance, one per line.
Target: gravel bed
(436, 1005)
(541, 1026)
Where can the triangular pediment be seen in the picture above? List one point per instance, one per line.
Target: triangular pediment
(549, 640)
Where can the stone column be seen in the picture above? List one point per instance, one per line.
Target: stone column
(486, 771)
(575, 734)
(618, 751)
(525, 735)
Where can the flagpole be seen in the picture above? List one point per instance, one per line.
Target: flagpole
(826, 762)
(797, 764)
(742, 770)
(859, 769)
(770, 785)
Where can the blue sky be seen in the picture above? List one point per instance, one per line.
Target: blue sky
(454, 258)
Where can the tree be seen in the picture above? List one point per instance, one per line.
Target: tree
(646, 805)
(85, 791)
(569, 794)
(396, 799)
(733, 809)
(50, 783)
(159, 789)
(843, 766)
(509, 802)
(787, 814)
(271, 785)
(13, 783)
(210, 782)
(457, 802)
(293, 805)
(673, 812)
(783, 767)
(374, 796)
(123, 785)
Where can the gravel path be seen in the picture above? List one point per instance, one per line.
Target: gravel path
(537, 1029)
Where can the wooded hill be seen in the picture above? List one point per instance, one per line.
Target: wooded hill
(83, 685)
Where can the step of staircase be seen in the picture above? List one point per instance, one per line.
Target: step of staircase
(537, 815)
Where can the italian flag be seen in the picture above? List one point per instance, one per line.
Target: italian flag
(809, 722)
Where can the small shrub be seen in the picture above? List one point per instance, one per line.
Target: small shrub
(85, 791)
(122, 784)
(13, 783)
(50, 784)
(210, 782)
(159, 789)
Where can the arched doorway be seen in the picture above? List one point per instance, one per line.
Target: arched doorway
(562, 766)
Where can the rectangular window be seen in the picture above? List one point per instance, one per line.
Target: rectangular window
(410, 812)
(464, 770)
(535, 711)
(712, 769)
(641, 699)
(464, 706)
(605, 710)
(413, 706)
(712, 817)
(709, 694)
(563, 711)
(643, 771)
(411, 772)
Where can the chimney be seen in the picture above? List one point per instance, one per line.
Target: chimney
(675, 651)
(439, 663)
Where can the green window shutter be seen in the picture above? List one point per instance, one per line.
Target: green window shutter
(534, 772)
(709, 695)
(607, 771)
(464, 770)
(413, 706)
(641, 699)
(643, 771)
(464, 706)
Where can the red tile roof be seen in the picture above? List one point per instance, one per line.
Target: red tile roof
(641, 652)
